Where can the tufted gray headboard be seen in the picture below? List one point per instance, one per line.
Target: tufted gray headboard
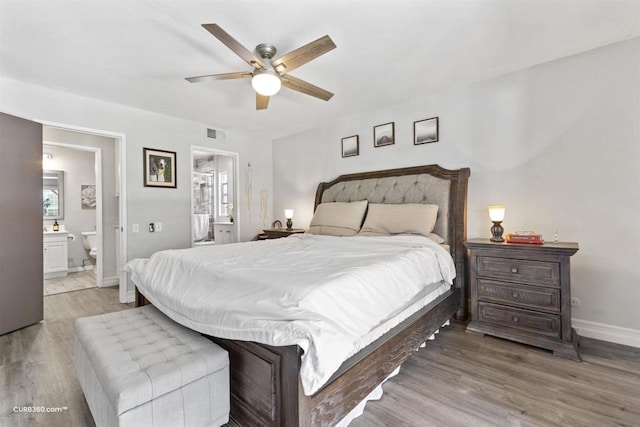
(429, 184)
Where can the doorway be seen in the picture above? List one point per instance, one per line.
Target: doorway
(72, 260)
(214, 218)
(110, 253)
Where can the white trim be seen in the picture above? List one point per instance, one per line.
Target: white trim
(121, 189)
(110, 281)
(79, 269)
(99, 227)
(610, 333)
(236, 185)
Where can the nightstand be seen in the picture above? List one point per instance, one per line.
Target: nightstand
(523, 293)
(276, 233)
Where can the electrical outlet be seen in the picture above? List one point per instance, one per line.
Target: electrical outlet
(158, 227)
(135, 228)
(575, 302)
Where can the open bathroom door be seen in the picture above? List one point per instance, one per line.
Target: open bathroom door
(21, 298)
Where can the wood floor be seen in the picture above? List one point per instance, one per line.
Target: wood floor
(36, 366)
(71, 282)
(460, 379)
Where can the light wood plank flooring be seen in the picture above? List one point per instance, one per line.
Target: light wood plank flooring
(36, 366)
(72, 282)
(460, 379)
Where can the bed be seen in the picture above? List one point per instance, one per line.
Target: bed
(266, 380)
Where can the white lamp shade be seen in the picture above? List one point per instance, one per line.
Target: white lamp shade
(496, 213)
(266, 83)
(288, 213)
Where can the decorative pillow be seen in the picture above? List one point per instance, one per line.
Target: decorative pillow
(338, 218)
(432, 236)
(409, 218)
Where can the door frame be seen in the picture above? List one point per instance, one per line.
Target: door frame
(120, 142)
(236, 177)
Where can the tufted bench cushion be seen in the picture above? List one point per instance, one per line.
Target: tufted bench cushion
(139, 368)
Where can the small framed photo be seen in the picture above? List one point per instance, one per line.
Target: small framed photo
(160, 168)
(350, 146)
(384, 135)
(88, 196)
(425, 131)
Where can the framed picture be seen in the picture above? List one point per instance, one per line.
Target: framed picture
(350, 146)
(160, 168)
(425, 131)
(88, 196)
(384, 135)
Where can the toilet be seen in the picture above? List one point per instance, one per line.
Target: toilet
(90, 242)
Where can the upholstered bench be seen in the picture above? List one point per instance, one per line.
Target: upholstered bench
(139, 368)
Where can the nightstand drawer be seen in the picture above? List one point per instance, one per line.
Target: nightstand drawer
(526, 271)
(529, 321)
(525, 296)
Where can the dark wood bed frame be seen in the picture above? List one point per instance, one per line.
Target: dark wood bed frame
(265, 384)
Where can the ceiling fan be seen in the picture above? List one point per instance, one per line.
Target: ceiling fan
(269, 75)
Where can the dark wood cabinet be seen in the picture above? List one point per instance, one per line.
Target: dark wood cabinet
(523, 293)
(276, 233)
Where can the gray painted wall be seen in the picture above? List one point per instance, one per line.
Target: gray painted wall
(142, 129)
(558, 144)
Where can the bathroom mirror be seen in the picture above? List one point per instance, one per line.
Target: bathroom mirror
(52, 194)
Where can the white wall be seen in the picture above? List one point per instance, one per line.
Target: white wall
(558, 144)
(141, 128)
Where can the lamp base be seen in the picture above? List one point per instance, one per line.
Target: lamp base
(496, 231)
(289, 224)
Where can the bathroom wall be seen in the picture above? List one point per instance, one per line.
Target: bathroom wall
(225, 164)
(204, 167)
(79, 169)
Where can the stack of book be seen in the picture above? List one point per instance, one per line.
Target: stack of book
(526, 237)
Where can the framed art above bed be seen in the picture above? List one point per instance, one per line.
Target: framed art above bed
(266, 382)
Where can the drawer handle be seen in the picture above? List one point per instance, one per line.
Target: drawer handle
(516, 319)
(514, 270)
(514, 294)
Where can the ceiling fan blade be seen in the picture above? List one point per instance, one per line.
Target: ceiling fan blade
(233, 44)
(305, 87)
(304, 54)
(262, 102)
(225, 76)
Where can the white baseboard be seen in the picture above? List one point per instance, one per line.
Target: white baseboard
(109, 281)
(78, 269)
(600, 331)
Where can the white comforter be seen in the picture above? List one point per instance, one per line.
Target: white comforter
(322, 293)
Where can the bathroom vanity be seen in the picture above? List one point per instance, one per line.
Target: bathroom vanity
(224, 233)
(55, 254)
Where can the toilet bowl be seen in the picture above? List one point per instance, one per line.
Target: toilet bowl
(90, 242)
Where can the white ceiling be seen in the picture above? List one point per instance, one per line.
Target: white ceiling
(137, 52)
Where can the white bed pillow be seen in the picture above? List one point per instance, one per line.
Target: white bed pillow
(338, 218)
(408, 218)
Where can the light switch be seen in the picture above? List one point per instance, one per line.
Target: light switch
(158, 226)
(135, 228)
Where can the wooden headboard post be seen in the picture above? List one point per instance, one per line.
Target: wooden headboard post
(450, 193)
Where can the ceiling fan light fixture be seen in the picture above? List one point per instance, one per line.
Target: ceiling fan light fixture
(266, 82)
